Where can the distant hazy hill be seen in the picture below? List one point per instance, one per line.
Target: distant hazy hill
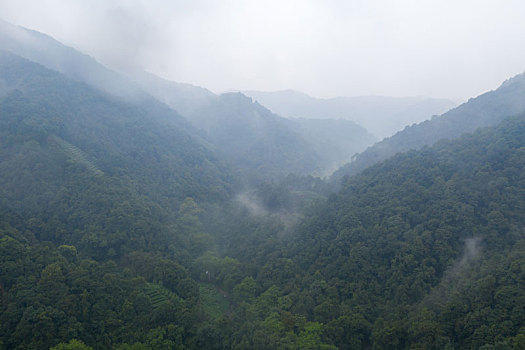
(259, 141)
(485, 110)
(184, 98)
(382, 116)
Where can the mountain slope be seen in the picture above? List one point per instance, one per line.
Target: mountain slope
(50, 53)
(260, 142)
(382, 116)
(253, 143)
(57, 133)
(485, 110)
(337, 140)
(96, 228)
(184, 98)
(424, 250)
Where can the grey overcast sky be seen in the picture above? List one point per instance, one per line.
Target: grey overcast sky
(441, 48)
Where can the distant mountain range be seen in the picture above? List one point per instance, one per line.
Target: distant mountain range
(260, 141)
(382, 116)
(254, 139)
(485, 110)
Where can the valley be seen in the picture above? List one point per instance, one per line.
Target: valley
(140, 213)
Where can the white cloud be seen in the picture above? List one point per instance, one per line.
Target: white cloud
(326, 48)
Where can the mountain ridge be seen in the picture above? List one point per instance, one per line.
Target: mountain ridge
(485, 110)
(247, 147)
(380, 115)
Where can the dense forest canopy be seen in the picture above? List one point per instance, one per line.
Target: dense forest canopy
(125, 226)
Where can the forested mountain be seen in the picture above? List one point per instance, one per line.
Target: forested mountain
(262, 143)
(56, 131)
(258, 141)
(99, 239)
(423, 251)
(381, 115)
(442, 236)
(97, 227)
(484, 110)
(124, 227)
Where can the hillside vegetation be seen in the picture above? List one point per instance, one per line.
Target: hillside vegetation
(485, 110)
(123, 226)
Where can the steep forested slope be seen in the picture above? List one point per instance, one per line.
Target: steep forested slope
(96, 227)
(485, 110)
(64, 145)
(422, 251)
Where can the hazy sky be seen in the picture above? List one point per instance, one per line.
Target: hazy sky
(448, 48)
